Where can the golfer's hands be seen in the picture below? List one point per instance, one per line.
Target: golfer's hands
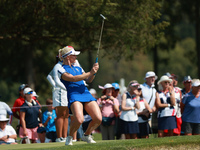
(95, 68)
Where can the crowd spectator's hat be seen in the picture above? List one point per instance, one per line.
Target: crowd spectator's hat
(106, 86)
(164, 78)
(92, 91)
(168, 74)
(116, 86)
(187, 79)
(150, 74)
(3, 118)
(21, 87)
(27, 90)
(35, 94)
(196, 83)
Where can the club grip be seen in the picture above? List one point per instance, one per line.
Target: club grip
(96, 60)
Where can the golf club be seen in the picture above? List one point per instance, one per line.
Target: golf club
(100, 37)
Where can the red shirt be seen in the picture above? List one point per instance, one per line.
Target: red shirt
(18, 103)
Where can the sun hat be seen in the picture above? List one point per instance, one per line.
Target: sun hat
(3, 118)
(69, 50)
(116, 86)
(196, 82)
(164, 78)
(106, 86)
(187, 78)
(92, 91)
(28, 89)
(150, 74)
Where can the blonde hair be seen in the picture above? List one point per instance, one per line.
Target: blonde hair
(129, 85)
(63, 51)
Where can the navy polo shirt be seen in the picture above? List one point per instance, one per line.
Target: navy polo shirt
(31, 114)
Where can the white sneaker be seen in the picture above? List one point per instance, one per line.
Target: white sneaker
(69, 140)
(88, 139)
(60, 139)
(74, 140)
(64, 139)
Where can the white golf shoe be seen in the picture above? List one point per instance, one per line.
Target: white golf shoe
(69, 140)
(88, 139)
(60, 139)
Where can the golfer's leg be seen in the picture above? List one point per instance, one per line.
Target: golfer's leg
(93, 110)
(77, 111)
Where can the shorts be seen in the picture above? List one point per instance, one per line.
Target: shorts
(144, 129)
(188, 127)
(59, 97)
(32, 133)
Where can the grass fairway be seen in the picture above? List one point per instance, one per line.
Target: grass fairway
(181, 142)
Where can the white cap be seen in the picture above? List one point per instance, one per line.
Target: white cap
(70, 51)
(150, 74)
(3, 118)
(92, 91)
(164, 78)
(26, 90)
(35, 94)
(196, 83)
(106, 86)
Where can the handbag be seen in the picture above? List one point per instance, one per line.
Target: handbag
(107, 121)
(144, 117)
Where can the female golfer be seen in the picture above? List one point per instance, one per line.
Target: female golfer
(79, 98)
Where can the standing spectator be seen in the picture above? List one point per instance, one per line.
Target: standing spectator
(109, 105)
(48, 120)
(78, 95)
(5, 109)
(165, 101)
(187, 82)
(29, 113)
(18, 102)
(7, 132)
(118, 96)
(149, 94)
(143, 117)
(190, 108)
(129, 117)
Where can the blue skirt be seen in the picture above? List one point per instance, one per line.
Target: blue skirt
(168, 123)
(129, 127)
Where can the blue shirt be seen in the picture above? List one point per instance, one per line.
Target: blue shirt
(51, 124)
(76, 91)
(191, 112)
(31, 114)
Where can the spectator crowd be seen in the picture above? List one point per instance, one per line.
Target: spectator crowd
(114, 114)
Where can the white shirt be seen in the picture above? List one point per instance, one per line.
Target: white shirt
(129, 115)
(9, 130)
(147, 92)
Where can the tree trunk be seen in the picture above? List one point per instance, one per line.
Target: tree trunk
(29, 66)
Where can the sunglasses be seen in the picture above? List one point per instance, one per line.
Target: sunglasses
(166, 82)
(31, 92)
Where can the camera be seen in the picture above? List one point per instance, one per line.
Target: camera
(107, 97)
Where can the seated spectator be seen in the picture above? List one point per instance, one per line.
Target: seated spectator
(48, 120)
(7, 132)
(129, 117)
(190, 108)
(29, 117)
(5, 109)
(108, 106)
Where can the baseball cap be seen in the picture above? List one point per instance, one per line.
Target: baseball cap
(168, 74)
(116, 86)
(21, 87)
(150, 74)
(28, 89)
(187, 78)
(92, 91)
(106, 86)
(196, 83)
